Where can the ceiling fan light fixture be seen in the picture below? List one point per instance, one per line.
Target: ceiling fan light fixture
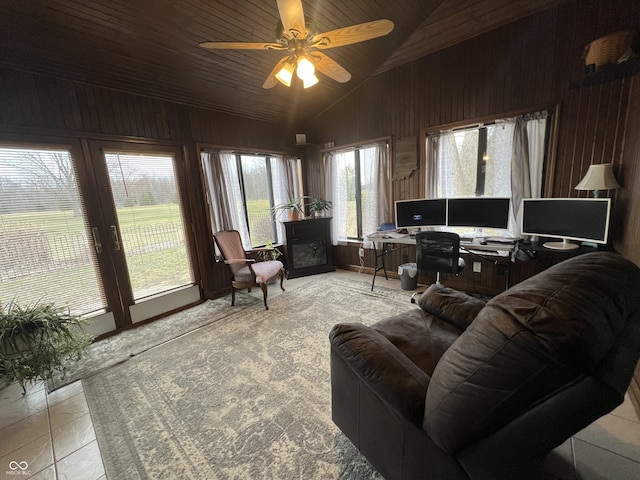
(285, 74)
(305, 69)
(310, 81)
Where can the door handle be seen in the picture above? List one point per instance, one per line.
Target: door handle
(115, 238)
(96, 239)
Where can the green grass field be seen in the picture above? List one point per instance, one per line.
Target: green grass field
(165, 268)
(67, 222)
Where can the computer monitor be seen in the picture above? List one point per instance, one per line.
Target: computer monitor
(478, 212)
(424, 212)
(581, 219)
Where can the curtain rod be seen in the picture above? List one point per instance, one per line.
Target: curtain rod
(474, 122)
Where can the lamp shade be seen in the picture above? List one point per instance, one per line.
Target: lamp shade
(285, 74)
(598, 177)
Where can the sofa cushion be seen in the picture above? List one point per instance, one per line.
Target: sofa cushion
(452, 306)
(264, 271)
(420, 336)
(530, 341)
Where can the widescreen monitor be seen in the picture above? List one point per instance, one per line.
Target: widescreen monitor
(426, 212)
(581, 219)
(478, 212)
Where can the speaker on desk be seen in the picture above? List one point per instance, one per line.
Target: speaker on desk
(438, 252)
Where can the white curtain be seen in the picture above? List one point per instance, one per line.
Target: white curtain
(285, 176)
(498, 164)
(457, 163)
(336, 192)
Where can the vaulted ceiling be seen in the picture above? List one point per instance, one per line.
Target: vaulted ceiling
(151, 47)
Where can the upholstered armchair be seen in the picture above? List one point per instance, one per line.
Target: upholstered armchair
(460, 389)
(246, 271)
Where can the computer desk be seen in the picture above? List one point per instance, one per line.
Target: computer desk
(385, 243)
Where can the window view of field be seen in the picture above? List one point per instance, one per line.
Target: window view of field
(47, 251)
(145, 193)
(255, 178)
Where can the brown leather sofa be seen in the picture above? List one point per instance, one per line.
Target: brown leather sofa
(460, 389)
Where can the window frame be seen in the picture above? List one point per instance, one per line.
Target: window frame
(267, 157)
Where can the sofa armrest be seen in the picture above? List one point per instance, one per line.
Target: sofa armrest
(454, 307)
(379, 364)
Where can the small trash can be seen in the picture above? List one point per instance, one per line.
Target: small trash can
(408, 276)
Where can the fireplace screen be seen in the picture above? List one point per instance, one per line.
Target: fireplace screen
(309, 253)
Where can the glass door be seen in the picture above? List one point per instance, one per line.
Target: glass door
(97, 228)
(48, 250)
(146, 226)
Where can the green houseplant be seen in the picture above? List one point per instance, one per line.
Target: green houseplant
(39, 340)
(268, 252)
(293, 207)
(318, 206)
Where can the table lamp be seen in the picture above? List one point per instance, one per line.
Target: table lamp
(598, 177)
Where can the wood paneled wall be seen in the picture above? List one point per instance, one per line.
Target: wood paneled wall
(532, 63)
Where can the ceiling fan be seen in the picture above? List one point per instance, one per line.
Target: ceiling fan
(297, 37)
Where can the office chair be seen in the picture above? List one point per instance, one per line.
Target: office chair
(438, 252)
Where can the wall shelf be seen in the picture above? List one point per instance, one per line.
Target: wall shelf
(609, 73)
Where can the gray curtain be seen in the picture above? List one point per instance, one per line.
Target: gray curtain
(226, 210)
(431, 185)
(527, 162)
(520, 169)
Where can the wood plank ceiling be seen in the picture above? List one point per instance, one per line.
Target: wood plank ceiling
(150, 47)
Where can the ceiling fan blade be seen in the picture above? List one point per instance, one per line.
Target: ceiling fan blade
(271, 80)
(243, 46)
(330, 67)
(353, 34)
(292, 17)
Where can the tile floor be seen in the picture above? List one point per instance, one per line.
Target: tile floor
(50, 436)
(47, 436)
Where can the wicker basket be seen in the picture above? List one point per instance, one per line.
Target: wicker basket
(606, 50)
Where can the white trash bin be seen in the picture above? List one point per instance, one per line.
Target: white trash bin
(408, 276)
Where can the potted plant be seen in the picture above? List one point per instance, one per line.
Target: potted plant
(319, 206)
(293, 207)
(268, 252)
(39, 340)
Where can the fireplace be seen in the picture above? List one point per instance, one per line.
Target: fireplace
(308, 247)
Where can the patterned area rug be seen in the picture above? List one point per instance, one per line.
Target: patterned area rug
(244, 397)
(128, 343)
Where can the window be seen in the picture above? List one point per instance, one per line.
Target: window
(242, 188)
(256, 184)
(502, 159)
(357, 185)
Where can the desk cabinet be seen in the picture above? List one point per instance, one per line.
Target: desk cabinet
(308, 247)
